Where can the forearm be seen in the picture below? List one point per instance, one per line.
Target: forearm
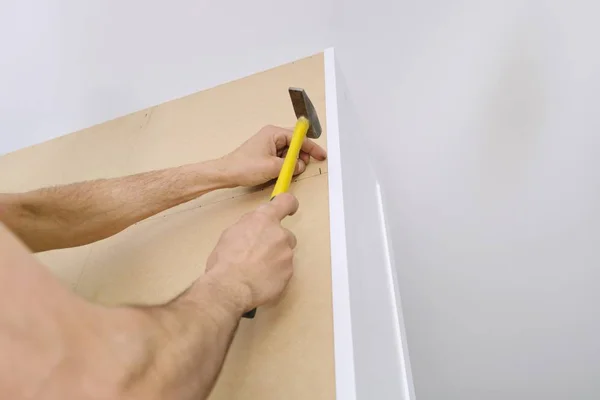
(195, 332)
(55, 345)
(81, 213)
(58, 346)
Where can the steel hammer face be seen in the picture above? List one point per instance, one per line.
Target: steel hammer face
(303, 107)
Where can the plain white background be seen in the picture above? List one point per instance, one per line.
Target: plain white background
(68, 64)
(480, 121)
(483, 124)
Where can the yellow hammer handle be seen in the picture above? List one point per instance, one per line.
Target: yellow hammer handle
(289, 164)
(287, 170)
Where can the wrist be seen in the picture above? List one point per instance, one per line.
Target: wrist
(223, 173)
(231, 292)
(220, 291)
(211, 175)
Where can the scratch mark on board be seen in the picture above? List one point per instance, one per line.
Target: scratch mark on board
(251, 191)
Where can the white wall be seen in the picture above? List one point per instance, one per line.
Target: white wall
(69, 64)
(380, 365)
(482, 122)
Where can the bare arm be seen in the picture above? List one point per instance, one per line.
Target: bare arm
(55, 345)
(81, 213)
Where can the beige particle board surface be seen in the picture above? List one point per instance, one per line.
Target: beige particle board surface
(286, 352)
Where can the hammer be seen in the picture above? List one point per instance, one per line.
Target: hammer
(307, 125)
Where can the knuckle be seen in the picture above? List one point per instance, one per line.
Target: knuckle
(282, 235)
(251, 219)
(268, 129)
(263, 218)
(274, 163)
(254, 214)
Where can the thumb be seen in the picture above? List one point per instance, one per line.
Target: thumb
(280, 206)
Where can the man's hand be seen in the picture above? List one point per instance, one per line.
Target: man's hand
(189, 337)
(253, 258)
(84, 212)
(57, 346)
(260, 158)
(170, 351)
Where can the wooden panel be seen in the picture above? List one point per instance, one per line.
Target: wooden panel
(287, 350)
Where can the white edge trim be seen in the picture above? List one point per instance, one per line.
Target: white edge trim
(342, 323)
(408, 391)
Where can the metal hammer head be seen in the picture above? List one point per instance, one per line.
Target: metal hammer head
(303, 107)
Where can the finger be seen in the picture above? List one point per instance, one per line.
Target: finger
(309, 147)
(302, 156)
(281, 206)
(314, 150)
(282, 137)
(300, 167)
(291, 238)
(305, 157)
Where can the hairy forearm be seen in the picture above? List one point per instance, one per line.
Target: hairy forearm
(81, 213)
(193, 335)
